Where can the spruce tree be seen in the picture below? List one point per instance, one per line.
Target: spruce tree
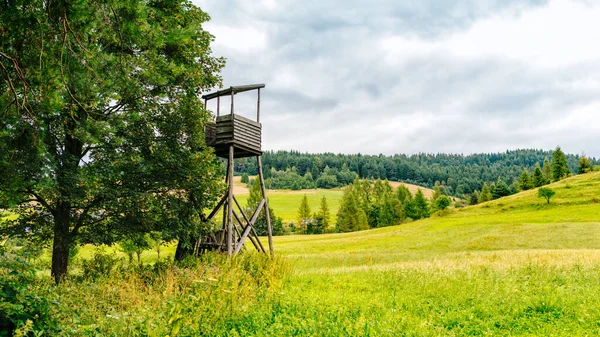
(559, 164)
(525, 182)
(486, 194)
(501, 190)
(474, 198)
(403, 194)
(547, 170)
(421, 205)
(348, 213)
(324, 212)
(538, 176)
(585, 165)
(304, 213)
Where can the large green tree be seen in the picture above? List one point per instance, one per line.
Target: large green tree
(538, 176)
(304, 213)
(559, 164)
(525, 182)
(101, 125)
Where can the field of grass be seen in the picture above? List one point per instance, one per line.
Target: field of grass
(285, 203)
(514, 266)
(511, 267)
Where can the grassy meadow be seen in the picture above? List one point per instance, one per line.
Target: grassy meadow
(285, 203)
(515, 266)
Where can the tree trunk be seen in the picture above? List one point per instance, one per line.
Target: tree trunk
(185, 247)
(61, 245)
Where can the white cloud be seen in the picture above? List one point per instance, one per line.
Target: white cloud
(246, 39)
(458, 76)
(563, 33)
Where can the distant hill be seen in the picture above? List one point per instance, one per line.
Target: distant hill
(462, 174)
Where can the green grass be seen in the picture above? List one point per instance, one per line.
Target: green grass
(510, 267)
(514, 266)
(285, 203)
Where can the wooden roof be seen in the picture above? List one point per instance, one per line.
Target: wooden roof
(234, 90)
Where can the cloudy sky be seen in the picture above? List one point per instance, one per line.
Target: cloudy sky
(387, 76)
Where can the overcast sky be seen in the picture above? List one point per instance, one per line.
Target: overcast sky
(388, 76)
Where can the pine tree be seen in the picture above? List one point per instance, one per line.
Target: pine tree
(538, 176)
(474, 198)
(324, 212)
(403, 194)
(421, 205)
(501, 190)
(525, 182)
(436, 191)
(585, 165)
(348, 213)
(559, 164)
(547, 170)
(486, 194)
(304, 213)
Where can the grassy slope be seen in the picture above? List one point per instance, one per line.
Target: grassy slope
(514, 266)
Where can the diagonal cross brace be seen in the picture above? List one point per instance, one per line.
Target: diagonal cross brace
(249, 226)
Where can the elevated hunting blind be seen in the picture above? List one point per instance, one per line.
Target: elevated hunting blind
(234, 136)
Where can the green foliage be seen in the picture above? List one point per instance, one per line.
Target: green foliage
(24, 302)
(486, 194)
(100, 265)
(351, 216)
(501, 190)
(547, 170)
(245, 178)
(560, 169)
(442, 202)
(419, 206)
(101, 120)
(545, 192)
(324, 214)
(260, 225)
(304, 213)
(459, 174)
(474, 198)
(525, 182)
(229, 294)
(539, 179)
(585, 165)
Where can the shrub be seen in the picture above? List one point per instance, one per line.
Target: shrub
(24, 306)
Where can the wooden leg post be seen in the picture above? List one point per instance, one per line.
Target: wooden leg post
(266, 205)
(230, 204)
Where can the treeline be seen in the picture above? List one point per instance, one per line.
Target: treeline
(369, 204)
(551, 171)
(291, 179)
(461, 174)
(372, 204)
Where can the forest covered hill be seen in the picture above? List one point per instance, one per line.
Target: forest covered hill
(462, 174)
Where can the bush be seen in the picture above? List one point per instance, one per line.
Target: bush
(24, 306)
(100, 265)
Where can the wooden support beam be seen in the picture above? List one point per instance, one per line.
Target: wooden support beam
(251, 239)
(241, 209)
(232, 95)
(258, 107)
(218, 105)
(266, 205)
(230, 202)
(249, 227)
(215, 210)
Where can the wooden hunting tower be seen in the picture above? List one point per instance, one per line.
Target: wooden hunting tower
(233, 136)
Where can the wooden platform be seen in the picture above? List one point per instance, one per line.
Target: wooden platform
(231, 129)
